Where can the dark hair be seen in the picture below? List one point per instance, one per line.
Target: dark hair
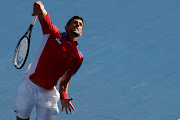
(74, 17)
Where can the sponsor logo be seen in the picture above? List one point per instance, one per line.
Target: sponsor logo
(58, 40)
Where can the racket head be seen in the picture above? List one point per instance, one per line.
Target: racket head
(21, 52)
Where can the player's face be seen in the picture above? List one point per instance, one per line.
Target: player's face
(75, 27)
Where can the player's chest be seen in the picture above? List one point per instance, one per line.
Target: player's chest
(61, 48)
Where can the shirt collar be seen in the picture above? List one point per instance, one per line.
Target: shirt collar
(68, 38)
(65, 35)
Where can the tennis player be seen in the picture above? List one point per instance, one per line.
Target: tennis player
(58, 57)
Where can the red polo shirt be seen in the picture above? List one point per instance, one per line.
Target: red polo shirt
(56, 56)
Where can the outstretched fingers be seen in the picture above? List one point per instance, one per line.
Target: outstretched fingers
(66, 110)
(72, 106)
(70, 110)
(62, 108)
(66, 103)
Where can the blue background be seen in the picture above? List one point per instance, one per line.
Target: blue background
(131, 67)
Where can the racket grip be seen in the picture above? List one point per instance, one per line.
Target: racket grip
(33, 20)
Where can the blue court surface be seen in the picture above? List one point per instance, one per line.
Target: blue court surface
(131, 68)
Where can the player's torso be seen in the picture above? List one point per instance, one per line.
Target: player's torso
(58, 52)
(53, 59)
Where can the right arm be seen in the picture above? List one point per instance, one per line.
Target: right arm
(39, 10)
(44, 18)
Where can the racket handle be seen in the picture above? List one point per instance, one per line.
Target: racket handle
(33, 20)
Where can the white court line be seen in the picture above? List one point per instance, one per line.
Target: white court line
(135, 87)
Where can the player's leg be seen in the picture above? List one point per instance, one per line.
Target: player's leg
(24, 102)
(47, 107)
(46, 113)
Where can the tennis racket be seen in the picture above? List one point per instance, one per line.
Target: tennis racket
(22, 48)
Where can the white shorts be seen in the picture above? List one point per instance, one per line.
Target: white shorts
(30, 95)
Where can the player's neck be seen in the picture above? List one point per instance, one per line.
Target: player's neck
(72, 37)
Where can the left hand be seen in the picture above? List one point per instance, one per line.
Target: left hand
(66, 103)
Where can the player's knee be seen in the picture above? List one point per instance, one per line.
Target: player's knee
(49, 114)
(54, 113)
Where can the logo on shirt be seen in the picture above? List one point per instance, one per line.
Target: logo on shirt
(58, 40)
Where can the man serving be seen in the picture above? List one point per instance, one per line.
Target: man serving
(58, 57)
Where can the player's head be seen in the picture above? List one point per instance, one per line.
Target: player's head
(75, 26)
